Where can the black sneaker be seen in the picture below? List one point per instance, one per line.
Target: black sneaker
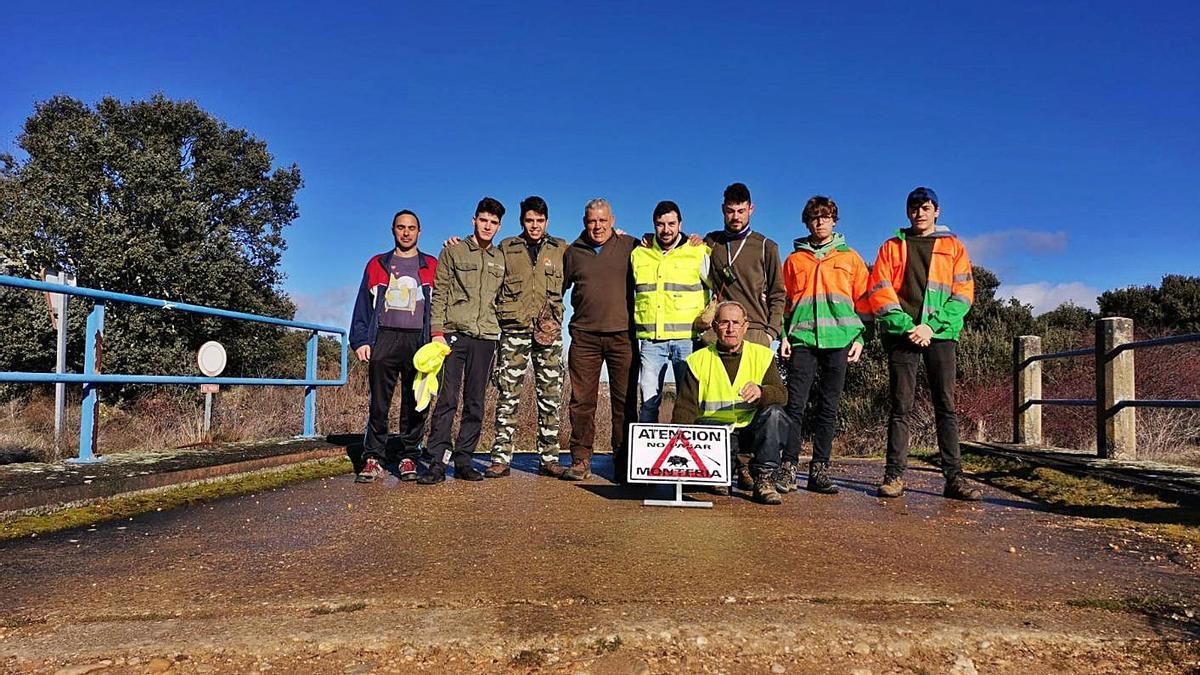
(818, 479)
(436, 473)
(959, 488)
(370, 471)
(467, 472)
(785, 477)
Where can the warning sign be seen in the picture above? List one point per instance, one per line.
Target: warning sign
(672, 453)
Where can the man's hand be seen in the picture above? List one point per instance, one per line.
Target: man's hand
(440, 340)
(785, 349)
(363, 353)
(854, 353)
(921, 335)
(695, 240)
(451, 241)
(751, 392)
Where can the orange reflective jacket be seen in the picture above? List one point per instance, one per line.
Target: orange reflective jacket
(827, 295)
(948, 294)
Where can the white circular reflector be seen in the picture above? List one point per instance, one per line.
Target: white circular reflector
(211, 358)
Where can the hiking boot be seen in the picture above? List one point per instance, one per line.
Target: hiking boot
(408, 470)
(818, 479)
(580, 470)
(959, 488)
(785, 477)
(496, 470)
(436, 473)
(745, 480)
(552, 469)
(892, 486)
(764, 490)
(370, 471)
(467, 472)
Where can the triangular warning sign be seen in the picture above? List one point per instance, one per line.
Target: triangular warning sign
(683, 441)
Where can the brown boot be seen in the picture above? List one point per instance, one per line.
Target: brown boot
(765, 492)
(552, 469)
(892, 487)
(497, 470)
(959, 488)
(745, 480)
(581, 469)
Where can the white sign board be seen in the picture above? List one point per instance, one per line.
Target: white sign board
(211, 358)
(674, 453)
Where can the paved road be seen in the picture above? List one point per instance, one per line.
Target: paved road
(540, 574)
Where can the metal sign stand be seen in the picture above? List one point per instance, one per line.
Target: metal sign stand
(58, 315)
(678, 501)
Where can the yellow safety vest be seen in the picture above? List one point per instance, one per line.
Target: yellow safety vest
(668, 291)
(718, 398)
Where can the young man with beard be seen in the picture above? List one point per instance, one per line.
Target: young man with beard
(390, 323)
(469, 275)
(530, 313)
(745, 267)
(826, 283)
(921, 288)
(670, 279)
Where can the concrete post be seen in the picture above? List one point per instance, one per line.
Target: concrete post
(1115, 428)
(1027, 386)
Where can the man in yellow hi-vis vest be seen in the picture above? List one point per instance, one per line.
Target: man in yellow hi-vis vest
(669, 278)
(735, 383)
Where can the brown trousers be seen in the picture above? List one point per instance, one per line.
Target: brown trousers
(587, 353)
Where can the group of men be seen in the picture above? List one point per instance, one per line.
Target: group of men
(708, 308)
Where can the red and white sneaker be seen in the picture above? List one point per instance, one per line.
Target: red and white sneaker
(408, 470)
(370, 471)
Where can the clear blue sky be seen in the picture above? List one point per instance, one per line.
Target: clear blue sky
(1062, 137)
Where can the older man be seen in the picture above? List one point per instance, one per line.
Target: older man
(596, 270)
(734, 382)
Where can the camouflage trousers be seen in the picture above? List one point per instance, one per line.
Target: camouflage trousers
(513, 356)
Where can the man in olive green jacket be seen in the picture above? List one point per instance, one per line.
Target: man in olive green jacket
(530, 311)
(463, 316)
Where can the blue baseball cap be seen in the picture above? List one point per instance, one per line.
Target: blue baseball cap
(921, 195)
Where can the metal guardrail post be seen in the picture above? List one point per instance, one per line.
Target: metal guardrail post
(310, 392)
(93, 353)
(1027, 386)
(1116, 431)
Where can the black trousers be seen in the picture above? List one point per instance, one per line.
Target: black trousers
(828, 368)
(392, 360)
(940, 368)
(465, 374)
(761, 442)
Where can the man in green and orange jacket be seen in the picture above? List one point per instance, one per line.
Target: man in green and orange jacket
(823, 329)
(921, 288)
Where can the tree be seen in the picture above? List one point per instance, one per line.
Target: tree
(1173, 307)
(155, 198)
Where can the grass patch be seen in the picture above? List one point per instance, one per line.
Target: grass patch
(125, 506)
(1084, 497)
(1163, 607)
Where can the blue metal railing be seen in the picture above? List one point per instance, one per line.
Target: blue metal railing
(94, 340)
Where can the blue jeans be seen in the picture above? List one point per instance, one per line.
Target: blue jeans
(656, 356)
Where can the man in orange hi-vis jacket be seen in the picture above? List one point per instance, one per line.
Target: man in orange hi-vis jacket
(823, 331)
(920, 290)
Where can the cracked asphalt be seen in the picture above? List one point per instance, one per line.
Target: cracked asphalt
(529, 573)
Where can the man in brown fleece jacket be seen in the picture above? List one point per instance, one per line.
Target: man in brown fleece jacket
(746, 267)
(596, 268)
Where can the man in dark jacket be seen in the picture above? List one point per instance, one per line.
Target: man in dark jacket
(596, 269)
(390, 323)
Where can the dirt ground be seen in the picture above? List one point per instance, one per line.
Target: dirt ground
(532, 574)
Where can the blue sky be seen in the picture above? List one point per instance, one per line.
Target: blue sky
(1062, 137)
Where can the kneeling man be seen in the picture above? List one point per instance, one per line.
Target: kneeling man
(735, 383)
